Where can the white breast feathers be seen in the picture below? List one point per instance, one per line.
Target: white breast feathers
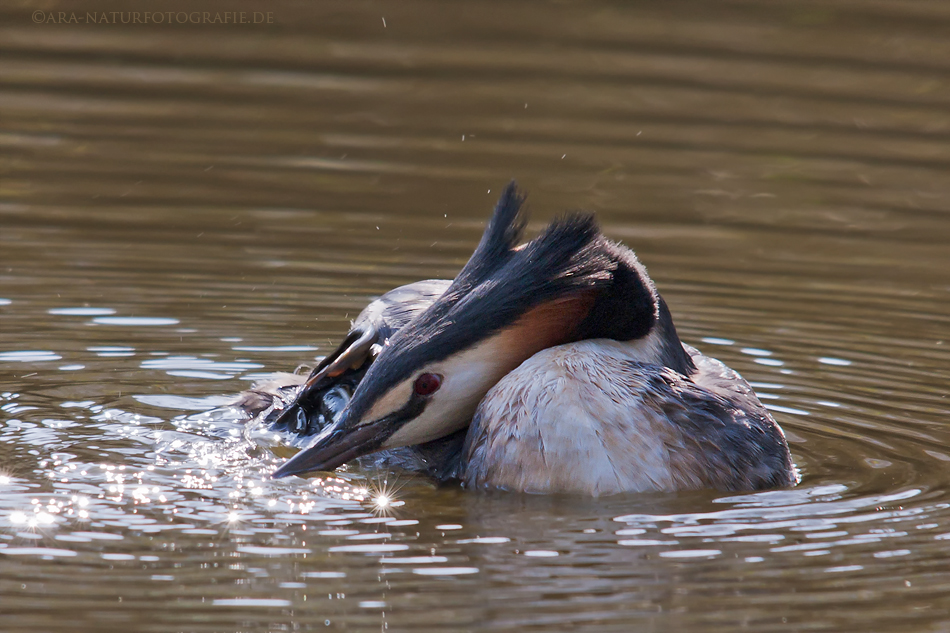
(578, 418)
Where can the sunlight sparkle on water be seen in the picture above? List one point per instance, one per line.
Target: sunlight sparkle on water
(382, 496)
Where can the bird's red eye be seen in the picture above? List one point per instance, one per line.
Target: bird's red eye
(427, 384)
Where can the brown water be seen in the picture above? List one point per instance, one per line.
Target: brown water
(186, 207)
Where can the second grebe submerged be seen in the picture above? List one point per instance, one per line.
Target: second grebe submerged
(549, 367)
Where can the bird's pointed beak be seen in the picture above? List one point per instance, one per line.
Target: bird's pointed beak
(336, 445)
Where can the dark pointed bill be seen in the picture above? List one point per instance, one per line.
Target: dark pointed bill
(336, 446)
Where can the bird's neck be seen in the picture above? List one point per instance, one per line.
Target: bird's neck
(669, 349)
(630, 310)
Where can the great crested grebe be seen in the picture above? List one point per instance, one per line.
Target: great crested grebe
(551, 366)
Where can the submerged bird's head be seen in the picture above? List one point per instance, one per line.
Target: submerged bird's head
(507, 303)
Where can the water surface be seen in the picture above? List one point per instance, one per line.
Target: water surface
(185, 208)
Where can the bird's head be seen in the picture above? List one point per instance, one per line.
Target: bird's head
(506, 304)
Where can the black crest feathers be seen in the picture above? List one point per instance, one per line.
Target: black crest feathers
(503, 281)
(504, 231)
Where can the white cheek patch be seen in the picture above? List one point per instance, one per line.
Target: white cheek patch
(467, 377)
(416, 431)
(393, 401)
(469, 374)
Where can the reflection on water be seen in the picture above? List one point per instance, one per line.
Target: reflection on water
(183, 500)
(187, 209)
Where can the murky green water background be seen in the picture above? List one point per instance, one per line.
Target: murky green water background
(185, 207)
